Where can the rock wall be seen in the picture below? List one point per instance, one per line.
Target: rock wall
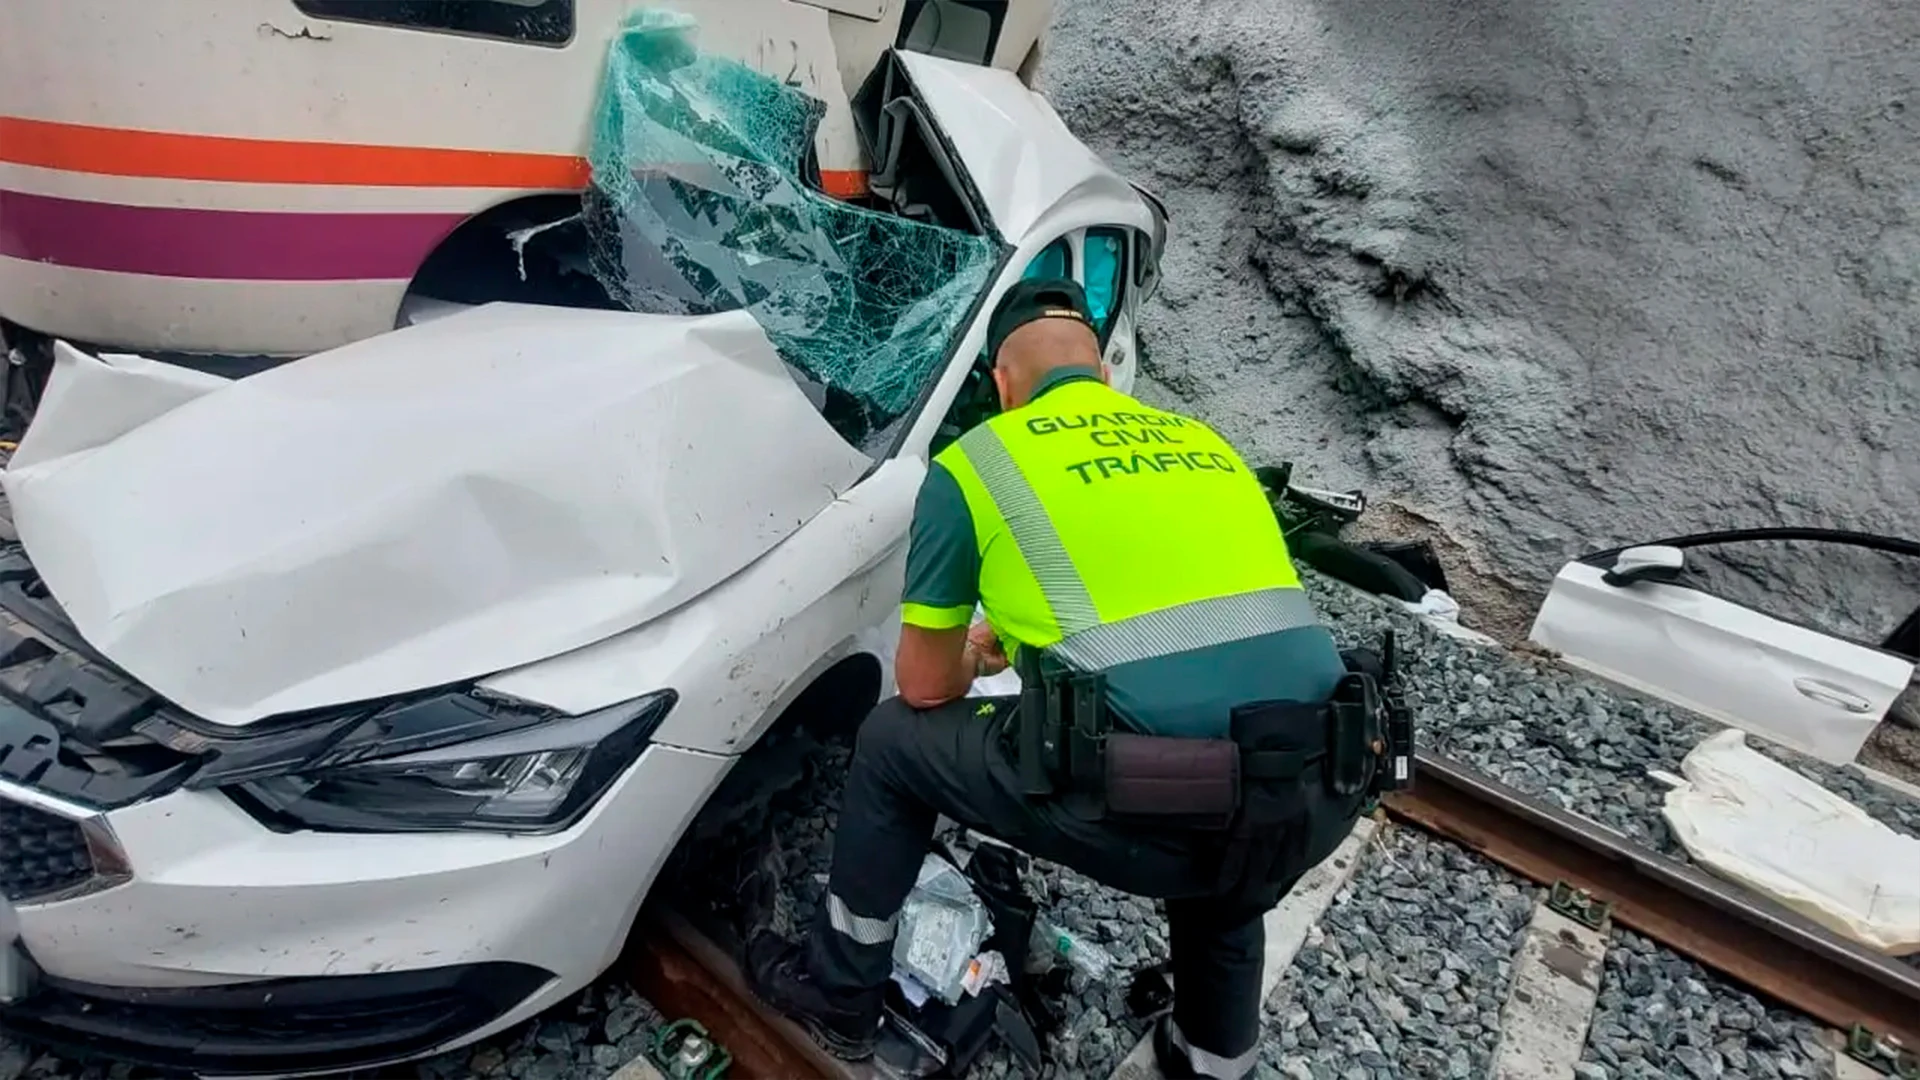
(1554, 274)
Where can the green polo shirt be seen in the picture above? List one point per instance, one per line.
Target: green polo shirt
(1187, 693)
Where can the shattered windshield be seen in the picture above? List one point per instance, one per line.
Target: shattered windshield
(699, 205)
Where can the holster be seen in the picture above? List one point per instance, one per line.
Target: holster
(1361, 741)
(1355, 734)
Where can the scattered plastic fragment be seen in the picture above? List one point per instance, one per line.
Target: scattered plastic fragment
(984, 970)
(942, 926)
(1080, 954)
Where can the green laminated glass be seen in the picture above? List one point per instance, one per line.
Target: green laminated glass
(1054, 261)
(1106, 251)
(699, 205)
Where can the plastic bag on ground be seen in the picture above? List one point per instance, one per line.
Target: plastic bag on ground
(1752, 820)
(1051, 943)
(1435, 604)
(942, 926)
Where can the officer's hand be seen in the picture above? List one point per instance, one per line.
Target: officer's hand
(993, 659)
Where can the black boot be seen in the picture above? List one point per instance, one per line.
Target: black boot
(843, 1026)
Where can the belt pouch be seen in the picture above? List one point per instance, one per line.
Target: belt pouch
(1190, 782)
(1353, 720)
(1265, 834)
(1031, 728)
(1085, 734)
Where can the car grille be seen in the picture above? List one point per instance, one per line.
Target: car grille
(40, 853)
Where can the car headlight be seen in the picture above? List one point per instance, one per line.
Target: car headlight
(538, 778)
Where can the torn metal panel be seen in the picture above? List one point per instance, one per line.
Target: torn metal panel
(93, 400)
(481, 491)
(1799, 687)
(1021, 157)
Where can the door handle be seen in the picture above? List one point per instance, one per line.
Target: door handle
(1823, 691)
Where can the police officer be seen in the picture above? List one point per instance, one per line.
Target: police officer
(1117, 538)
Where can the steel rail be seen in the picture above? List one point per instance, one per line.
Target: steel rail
(685, 974)
(1744, 936)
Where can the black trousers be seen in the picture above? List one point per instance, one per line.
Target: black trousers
(910, 766)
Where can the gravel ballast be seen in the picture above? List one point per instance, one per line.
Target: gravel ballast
(1660, 1015)
(1406, 973)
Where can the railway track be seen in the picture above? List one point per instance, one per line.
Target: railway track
(1746, 938)
(1750, 939)
(686, 973)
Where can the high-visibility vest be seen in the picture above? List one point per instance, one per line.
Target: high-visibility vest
(1110, 531)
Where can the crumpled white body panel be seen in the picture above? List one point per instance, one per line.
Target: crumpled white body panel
(1023, 159)
(92, 400)
(426, 506)
(1752, 820)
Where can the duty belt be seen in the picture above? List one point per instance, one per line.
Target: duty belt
(1067, 746)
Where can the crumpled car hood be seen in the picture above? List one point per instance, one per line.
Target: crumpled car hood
(427, 506)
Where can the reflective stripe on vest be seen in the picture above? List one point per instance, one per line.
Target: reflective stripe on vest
(1072, 493)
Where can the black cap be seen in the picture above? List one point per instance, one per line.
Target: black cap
(1036, 298)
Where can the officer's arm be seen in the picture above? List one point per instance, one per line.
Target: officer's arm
(935, 665)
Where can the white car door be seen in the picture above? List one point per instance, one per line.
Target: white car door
(1631, 617)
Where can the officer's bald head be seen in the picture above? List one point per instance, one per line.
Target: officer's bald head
(1040, 325)
(1038, 348)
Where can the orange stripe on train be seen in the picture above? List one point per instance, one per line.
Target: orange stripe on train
(174, 156)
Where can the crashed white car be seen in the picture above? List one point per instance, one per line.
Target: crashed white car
(351, 708)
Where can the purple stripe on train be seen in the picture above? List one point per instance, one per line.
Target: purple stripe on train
(243, 245)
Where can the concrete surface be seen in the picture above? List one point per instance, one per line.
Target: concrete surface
(638, 1069)
(1556, 980)
(1552, 274)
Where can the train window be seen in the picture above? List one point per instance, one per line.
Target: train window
(963, 30)
(536, 22)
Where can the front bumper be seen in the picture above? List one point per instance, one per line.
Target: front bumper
(392, 945)
(275, 1025)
